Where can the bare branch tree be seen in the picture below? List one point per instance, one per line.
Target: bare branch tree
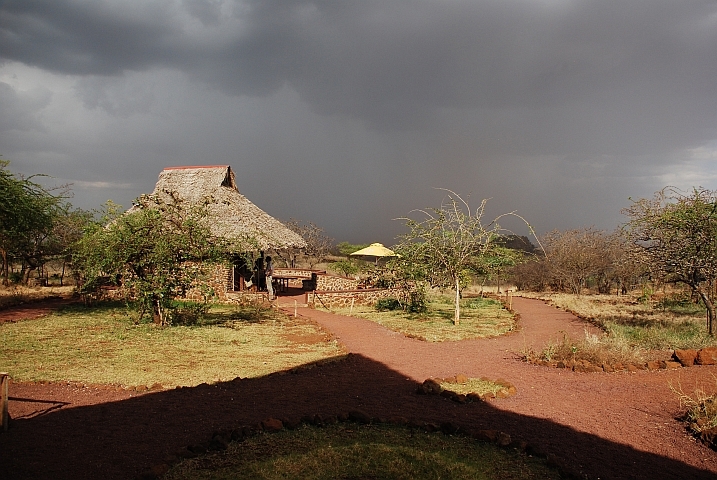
(318, 244)
(448, 242)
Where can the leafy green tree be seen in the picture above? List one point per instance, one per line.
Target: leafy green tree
(346, 267)
(157, 251)
(28, 212)
(674, 236)
(449, 242)
(346, 248)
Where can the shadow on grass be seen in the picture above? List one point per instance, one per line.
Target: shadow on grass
(118, 440)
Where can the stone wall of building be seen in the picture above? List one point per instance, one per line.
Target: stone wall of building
(218, 281)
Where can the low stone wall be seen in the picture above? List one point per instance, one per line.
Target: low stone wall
(345, 298)
(296, 272)
(327, 282)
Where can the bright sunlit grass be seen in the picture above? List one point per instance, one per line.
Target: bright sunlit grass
(103, 345)
(480, 318)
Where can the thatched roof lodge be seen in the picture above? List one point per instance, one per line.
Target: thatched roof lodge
(231, 214)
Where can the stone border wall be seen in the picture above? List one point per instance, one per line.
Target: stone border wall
(326, 282)
(345, 298)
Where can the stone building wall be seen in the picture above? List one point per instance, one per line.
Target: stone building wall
(218, 281)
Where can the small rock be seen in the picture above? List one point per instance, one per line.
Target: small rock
(291, 424)
(486, 435)
(449, 428)
(653, 365)
(503, 439)
(706, 356)
(474, 397)
(686, 357)
(272, 425)
(359, 417)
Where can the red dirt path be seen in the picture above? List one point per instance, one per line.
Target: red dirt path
(598, 425)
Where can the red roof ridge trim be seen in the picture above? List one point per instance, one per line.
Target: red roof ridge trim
(196, 166)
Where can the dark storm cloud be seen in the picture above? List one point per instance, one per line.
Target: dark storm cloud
(574, 75)
(559, 109)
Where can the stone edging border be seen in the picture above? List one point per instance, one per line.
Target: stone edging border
(221, 439)
(432, 386)
(680, 358)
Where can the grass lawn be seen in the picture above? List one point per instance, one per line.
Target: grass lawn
(480, 318)
(361, 451)
(103, 345)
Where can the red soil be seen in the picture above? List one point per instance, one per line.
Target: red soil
(597, 425)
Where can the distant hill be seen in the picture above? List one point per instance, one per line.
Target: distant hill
(518, 242)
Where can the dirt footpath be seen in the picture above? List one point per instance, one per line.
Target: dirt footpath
(598, 425)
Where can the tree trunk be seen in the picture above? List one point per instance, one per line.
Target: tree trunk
(710, 309)
(457, 316)
(5, 268)
(157, 315)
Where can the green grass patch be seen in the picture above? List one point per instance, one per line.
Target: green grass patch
(103, 344)
(481, 386)
(362, 452)
(480, 318)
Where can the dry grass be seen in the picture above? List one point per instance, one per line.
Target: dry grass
(103, 345)
(481, 386)
(700, 408)
(18, 294)
(664, 324)
(480, 318)
(361, 452)
(597, 350)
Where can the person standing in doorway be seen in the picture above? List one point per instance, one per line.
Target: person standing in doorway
(269, 272)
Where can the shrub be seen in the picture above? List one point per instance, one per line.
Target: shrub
(700, 409)
(417, 301)
(386, 304)
(188, 314)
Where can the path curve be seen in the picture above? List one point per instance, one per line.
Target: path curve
(633, 409)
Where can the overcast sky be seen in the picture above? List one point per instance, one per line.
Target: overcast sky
(350, 114)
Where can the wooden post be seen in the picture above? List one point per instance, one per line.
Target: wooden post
(4, 417)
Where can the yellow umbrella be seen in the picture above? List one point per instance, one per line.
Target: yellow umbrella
(375, 250)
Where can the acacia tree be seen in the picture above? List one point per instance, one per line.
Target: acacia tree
(28, 212)
(449, 242)
(156, 251)
(675, 238)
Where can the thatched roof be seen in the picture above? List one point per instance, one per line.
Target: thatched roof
(231, 214)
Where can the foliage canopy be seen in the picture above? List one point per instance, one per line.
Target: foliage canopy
(675, 236)
(158, 251)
